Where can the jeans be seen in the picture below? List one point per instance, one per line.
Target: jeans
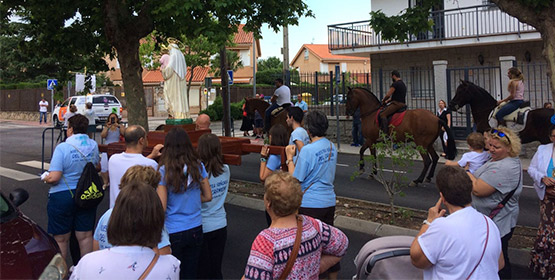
(505, 273)
(357, 132)
(43, 115)
(186, 246)
(268, 116)
(507, 109)
(212, 253)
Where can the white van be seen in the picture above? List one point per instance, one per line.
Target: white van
(103, 105)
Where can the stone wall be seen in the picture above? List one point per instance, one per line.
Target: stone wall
(22, 116)
(345, 129)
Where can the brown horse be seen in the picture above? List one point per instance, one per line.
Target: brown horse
(482, 103)
(422, 124)
(256, 104)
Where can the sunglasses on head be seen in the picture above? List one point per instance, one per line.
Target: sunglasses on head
(500, 134)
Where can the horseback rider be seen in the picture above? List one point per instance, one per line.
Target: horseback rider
(281, 97)
(515, 98)
(396, 97)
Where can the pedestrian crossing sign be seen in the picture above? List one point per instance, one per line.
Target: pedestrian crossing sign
(51, 84)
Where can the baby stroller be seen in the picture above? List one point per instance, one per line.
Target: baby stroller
(386, 258)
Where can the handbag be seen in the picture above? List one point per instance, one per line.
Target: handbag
(149, 267)
(295, 252)
(88, 192)
(501, 204)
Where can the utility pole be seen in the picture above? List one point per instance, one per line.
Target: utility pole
(286, 55)
(253, 65)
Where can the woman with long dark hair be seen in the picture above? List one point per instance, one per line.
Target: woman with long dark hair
(214, 222)
(270, 163)
(182, 189)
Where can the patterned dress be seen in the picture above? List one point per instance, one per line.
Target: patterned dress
(543, 254)
(272, 248)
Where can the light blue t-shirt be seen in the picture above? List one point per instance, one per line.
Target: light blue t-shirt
(70, 162)
(274, 162)
(298, 134)
(315, 167)
(213, 212)
(101, 233)
(301, 104)
(550, 168)
(183, 209)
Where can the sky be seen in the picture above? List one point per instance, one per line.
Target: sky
(314, 30)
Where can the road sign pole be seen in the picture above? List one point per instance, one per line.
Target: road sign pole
(52, 105)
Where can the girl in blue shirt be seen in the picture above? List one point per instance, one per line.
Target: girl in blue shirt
(214, 222)
(184, 185)
(270, 163)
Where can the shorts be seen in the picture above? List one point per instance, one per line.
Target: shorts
(104, 162)
(325, 215)
(64, 216)
(258, 123)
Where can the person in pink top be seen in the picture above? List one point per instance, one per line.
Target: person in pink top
(321, 247)
(516, 95)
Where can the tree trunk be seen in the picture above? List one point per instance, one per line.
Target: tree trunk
(189, 85)
(225, 92)
(131, 73)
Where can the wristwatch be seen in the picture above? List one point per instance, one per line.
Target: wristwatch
(263, 159)
(425, 222)
(288, 161)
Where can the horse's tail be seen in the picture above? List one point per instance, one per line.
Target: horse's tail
(451, 152)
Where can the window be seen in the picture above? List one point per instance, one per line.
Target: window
(73, 101)
(306, 54)
(105, 100)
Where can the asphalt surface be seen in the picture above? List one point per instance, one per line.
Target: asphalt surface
(20, 143)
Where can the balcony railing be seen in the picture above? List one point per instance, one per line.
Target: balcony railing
(469, 22)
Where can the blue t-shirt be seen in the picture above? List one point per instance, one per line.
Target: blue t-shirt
(101, 233)
(301, 104)
(550, 169)
(70, 161)
(213, 212)
(298, 134)
(183, 209)
(274, 162)
(315, 167)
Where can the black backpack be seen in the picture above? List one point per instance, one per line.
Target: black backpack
(89, 192)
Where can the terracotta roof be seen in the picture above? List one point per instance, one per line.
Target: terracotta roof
(155, 76)
(242, 37)
(322, 51)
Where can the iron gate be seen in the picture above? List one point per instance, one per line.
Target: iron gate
(487, 77)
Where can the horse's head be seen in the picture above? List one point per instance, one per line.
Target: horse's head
(249, 108)
(352, 102)
(462, 97)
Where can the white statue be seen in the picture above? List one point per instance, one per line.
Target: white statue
(175, 85)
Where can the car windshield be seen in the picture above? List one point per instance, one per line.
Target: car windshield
(105, 100)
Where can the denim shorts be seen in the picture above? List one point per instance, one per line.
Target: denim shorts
(64, 216)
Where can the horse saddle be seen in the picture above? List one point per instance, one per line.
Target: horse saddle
(279, 109)
(517, 116)
(396, 119)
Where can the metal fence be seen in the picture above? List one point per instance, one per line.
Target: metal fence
(467, 22)
(537, 88)
(420, 86)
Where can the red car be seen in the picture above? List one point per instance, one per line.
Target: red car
(26, 249)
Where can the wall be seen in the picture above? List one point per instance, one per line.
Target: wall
(312, 64)
(389, 7)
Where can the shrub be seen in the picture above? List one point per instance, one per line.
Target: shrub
(216, 110)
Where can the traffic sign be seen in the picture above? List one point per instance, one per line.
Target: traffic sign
(205, 91)
(229, 77)
(51, 84)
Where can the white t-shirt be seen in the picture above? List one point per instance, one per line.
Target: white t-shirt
(125, 262)
(89, 113)
(43, 106)
(283, 94)
(474, 159)
(455, 243)
(118, 164)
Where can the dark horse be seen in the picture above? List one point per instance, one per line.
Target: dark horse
(422, 124)
(256, 104)
(482, 103)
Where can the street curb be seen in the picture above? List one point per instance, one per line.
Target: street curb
(519, 257)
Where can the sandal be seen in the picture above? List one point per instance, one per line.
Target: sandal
(443, 155)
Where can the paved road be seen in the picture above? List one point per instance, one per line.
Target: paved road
(20, 148)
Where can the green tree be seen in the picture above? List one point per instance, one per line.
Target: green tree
(271, 62)
(538, 13)
(232, 62)
(91, 27)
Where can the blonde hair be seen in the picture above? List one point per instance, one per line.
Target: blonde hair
(283, 191)
(140, 173)
(516, 74)
(510, 140)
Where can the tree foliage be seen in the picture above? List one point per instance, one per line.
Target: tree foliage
(271, 62)
(233, 62)
(66, 30)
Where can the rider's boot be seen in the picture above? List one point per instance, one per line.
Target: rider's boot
(383, 127)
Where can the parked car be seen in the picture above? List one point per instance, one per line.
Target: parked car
(103, 105)
(26, 250)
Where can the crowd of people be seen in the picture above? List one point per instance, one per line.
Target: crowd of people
(167, 218)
